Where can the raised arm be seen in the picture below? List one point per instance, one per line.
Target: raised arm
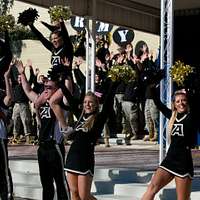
(9, 96)
(50, 27)
(42, 39)
(32, 75)
(65, 36)
(25, 84)
(80, 79)
(164, 109)
(64, 31)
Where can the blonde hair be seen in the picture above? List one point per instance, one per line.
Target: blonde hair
(90, 121)
(174, 112)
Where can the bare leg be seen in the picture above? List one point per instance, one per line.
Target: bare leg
(58, 111)
(183, 188)
(40, 100)
(54, 103)
(158, 181)
(72, 180)
(84, 187)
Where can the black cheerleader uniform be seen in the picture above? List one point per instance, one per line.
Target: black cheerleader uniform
(59, 54)
(178, 160)
(80, 158)
(51, 156)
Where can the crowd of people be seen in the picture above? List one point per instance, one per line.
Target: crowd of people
(133, 111)
(54, 108)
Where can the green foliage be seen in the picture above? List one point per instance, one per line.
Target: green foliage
(5, 6)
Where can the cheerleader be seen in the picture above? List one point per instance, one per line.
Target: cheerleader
(178, 163)
(80, 159)
(62, 55)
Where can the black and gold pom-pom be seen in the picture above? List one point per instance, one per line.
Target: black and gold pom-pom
(28, 16)
(179, 72)
(58, 12)
(123, 73)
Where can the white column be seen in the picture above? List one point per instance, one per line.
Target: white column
(169, 53)
(87, 70)
(161, 151)
(166, 60)
(93, 48)
(93, 55)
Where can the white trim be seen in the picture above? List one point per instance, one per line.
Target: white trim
(176, 174)
(79, 172)
(182, 118)
(56, 53)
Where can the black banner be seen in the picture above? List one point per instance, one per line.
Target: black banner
(123, 36)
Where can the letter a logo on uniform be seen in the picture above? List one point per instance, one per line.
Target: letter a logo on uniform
(178, 130)
(45, 112)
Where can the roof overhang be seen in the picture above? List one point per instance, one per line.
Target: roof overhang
(143, 15)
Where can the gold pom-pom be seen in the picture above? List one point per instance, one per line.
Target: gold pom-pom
(123, 73)
(179, 72)
(7, 22)
(59, 12)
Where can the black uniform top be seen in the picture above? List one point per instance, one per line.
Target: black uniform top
(185, 127)
(80, 158)
(48, 120)
(57, 53)
(101, 116)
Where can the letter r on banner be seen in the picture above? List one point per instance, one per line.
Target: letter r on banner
(79, 22)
